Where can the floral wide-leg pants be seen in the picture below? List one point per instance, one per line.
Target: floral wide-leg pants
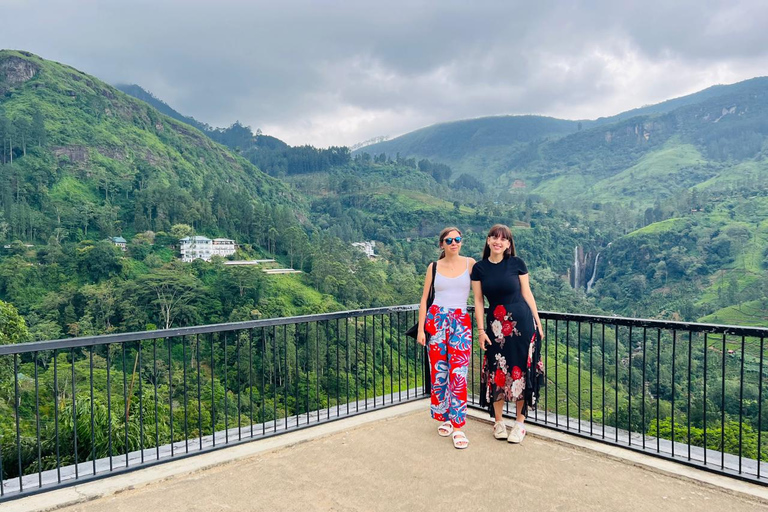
(450, 347)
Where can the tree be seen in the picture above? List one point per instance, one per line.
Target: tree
(101, 260)
(172, 293)
(13, 328)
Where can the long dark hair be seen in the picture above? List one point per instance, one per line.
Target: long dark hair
(443, 235)
(500, 231)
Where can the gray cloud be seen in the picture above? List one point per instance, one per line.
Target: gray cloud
(340, 72)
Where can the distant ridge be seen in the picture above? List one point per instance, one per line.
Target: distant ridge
(530, 151)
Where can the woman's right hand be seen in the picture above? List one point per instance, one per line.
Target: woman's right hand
(483, 339)
(421, 338)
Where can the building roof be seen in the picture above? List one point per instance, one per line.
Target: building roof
(195, 239)
(118, 240)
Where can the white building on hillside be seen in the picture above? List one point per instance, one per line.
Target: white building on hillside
(119, 242)
(202, 248)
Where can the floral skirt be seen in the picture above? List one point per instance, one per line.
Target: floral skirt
(512, 366)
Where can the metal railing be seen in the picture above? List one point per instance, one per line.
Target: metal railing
(687, 392)
(83, 408)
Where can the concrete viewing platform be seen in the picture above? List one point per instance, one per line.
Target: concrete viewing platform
(393, 459)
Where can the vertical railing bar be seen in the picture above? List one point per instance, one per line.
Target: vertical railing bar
(722, 408)
(357, 370)
(199, 393)
(125, 403)
(546, 373)
(365, 352)
(186, 396)
(2, 471)
(391, 362)
(704, 407)
(154, 381)
(760, 410)
(645, 360)
(93, 420)
(674, 366)
(567, 375)
(616, 377)
(602, 372)
(141, 401)
(557, 386)
(296, 338)
(37, 427)
(688, 410)
(250, 377)
(226, 392)
(338, 382)
(285, 380)
(309, 364)
(213, 391)
(658, 391)
(74, 410)
(56, 416)
(741, 404)
(327, 361)
(591, 373)
(346, 348)
(274, 378)
(317, 369)
(16, 406)
(237, 383)
(263, 381)
(578, 375)
(629, 387)
(373, 356)
(170, 390)
(109, 407)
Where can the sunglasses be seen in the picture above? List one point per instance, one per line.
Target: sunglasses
(449, 241)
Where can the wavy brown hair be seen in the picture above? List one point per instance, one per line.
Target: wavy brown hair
(501, 231)
(443, 235)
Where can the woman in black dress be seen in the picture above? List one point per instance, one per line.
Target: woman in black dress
(512, 366)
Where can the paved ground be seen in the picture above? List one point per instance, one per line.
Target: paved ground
(400, 463)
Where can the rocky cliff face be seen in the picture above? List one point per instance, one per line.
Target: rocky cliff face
(15, 71)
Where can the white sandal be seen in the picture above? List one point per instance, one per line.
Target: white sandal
(445, 429)
(460, 440)
(499, 430)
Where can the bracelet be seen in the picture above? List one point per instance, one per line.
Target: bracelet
(481, 330)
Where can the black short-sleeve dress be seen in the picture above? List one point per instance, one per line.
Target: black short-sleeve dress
(512, 366)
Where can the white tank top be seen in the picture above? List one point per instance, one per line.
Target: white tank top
(452, 292)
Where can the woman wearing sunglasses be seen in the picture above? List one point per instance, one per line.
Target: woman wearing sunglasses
(450, 335)
(512, 367)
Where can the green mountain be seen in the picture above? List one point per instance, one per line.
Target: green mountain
(703, 140)
(80, 155)
(142, 94)
(481, 147)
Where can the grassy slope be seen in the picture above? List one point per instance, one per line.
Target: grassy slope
(120, 134)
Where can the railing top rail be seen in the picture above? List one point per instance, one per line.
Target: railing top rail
(86, 341)
(734, 330)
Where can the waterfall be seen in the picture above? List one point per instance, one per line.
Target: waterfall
(594, 273)
(575, 267)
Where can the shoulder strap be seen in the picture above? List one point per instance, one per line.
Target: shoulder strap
(467, 259)
(431, 296)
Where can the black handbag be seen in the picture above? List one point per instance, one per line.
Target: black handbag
(413, 331)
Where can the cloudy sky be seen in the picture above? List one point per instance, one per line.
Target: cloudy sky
(333, 72)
